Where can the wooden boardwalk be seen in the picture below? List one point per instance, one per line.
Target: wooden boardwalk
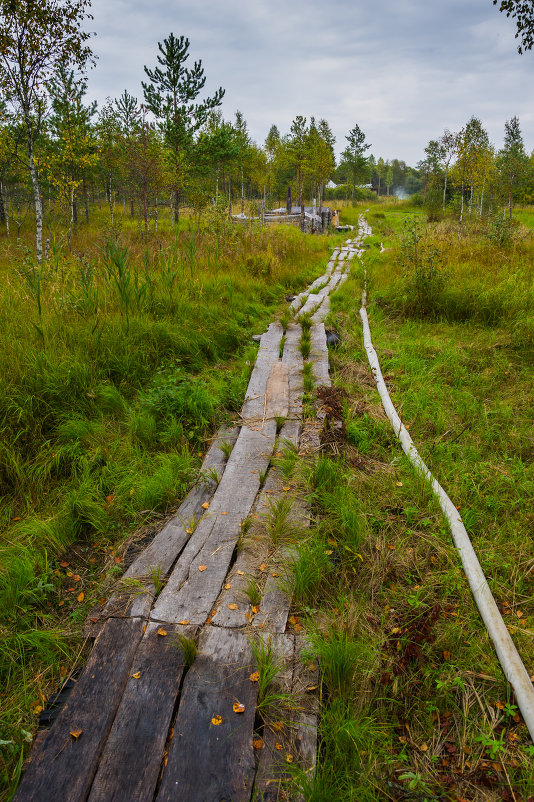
(150, 719)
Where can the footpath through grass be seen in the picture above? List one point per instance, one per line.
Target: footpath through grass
(120, 358)
(414, 704)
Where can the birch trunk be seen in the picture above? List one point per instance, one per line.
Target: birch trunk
(37, 203)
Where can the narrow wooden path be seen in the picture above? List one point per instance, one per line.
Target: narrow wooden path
(150, 719)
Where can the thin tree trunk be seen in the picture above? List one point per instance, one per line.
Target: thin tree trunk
(176, 205)
(242, 193)
(2, 204)
(445, 189)
(86, 201)
(110, 199)
(37, 203)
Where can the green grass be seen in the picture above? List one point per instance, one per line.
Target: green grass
(120, 358)
(414, 702)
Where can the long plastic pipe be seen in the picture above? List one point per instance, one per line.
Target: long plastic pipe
(512, 665)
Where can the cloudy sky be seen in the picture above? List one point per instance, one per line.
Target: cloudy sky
(403, 70)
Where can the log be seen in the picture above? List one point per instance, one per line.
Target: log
(209, 761)
(64, 768)
(268, 355)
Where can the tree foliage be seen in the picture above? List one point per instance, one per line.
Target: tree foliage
(523, 13)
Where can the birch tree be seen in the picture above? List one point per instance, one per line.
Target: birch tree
(37, 36)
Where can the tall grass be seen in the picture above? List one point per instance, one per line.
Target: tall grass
(119, 358)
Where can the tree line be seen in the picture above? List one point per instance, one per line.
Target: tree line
(61, 155)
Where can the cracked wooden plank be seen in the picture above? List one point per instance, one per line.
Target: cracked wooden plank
(272, 765)
(64, 767)
(162, 552)
(190, 593)
(207, 760)
(268, 355)
(130, 764)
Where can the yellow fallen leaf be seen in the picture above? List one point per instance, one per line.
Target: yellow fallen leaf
(202, 568)
(274, 573)
(233, 607)
(263, 567)
(224, 513)
(206, 505)
(188, 531)
(278, 746)
(81, 596)
(241, 573)
(277, 726)
(76, 734)
(289, 758)
(184, 622)
(228, 586)
(162, 632)
(255, 608)
(37, 710)
(136, 675)
(286, 488)
(238, 707)
(216, 720)
(255, 676)
(257, 743)
(399, 484)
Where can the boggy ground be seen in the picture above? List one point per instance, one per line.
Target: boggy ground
(414, 702)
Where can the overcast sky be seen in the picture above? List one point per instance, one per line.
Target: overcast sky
(403, 70)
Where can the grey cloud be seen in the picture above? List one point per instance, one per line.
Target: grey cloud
(402, 71)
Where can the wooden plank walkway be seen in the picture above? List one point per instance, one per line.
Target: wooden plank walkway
(166, 705)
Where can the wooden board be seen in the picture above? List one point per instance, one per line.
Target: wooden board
(65, 766)
(277, 392)
(293, 359)
(190, 593)
(162, 552)
(268, 355)
(130, 764)
(272, 765)
(209, 762)
(319, 354)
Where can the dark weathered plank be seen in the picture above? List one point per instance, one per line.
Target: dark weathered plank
(130, 763)
(65, 766)
(209, 762)
(272, 763)
(190, 593)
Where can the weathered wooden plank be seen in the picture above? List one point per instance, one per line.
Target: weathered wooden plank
(277, 392)
(130, 764)
(319, 354)
(162, 552)
(234, 608)
(268, 355)
(64, 768)
(209, 762)
(272, 764)
(190, 593)
(305, 686)
(293, 359)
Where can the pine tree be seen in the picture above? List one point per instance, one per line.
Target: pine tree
(171, 96)
(354, 153)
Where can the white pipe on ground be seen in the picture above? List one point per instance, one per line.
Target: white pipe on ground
(512, 665)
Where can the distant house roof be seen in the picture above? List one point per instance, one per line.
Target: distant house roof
(331, 185)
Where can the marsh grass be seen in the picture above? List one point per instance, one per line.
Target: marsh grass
(120, 358)
(414, 701)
